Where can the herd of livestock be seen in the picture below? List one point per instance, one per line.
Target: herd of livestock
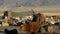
(33, 25)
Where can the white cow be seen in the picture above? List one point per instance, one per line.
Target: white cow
(5, 24)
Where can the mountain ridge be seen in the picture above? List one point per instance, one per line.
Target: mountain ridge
(33, 2)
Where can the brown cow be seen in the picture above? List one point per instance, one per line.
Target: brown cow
(33, 27)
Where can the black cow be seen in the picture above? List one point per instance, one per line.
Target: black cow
(14, 31)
